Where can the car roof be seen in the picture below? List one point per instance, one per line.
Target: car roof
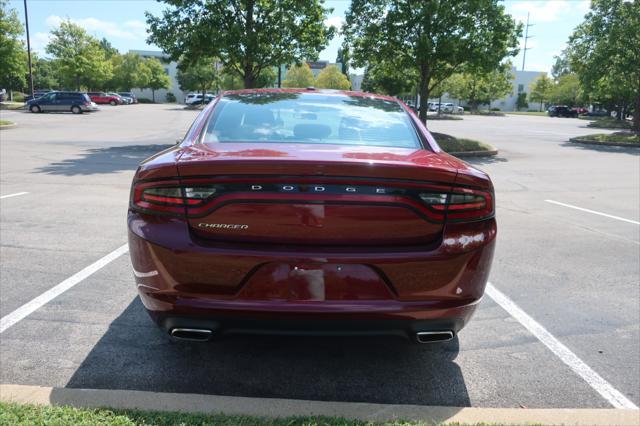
(312, 91)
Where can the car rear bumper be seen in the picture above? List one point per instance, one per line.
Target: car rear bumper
(231, 289)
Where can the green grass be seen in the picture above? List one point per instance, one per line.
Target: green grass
(39, 415)
(617, 137)
(452, 144)
(11, 105)
(5, 122)
(541, 113)
(607, 123)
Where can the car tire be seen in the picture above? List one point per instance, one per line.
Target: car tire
(113, 103)
(76, 109)
(35, 108)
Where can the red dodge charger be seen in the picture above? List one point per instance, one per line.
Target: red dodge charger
(310, 212)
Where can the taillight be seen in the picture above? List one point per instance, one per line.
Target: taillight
(167, 198)
(461, 204)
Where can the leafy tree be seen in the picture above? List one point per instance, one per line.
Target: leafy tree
(604, 51)
(247, 35)
(80, 57)
(158, 78)
(331, 78)
(344, 59)
(201, 75)
(561, 66)
(479, 88)
(13, 55)
(434, 39)
(45, 73)
(129, 71)
(299, 76)
(541, 89)
(386, 78)
(566, 91)
(109, 50)
(521, 101)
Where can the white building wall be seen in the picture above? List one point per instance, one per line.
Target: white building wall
(171, 68)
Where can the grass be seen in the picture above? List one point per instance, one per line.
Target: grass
(452, 144)
(486, 112)
(628, 138)
(5, 122)
(11, 105)
(607, 123)
(444, 116)
(39, 415)
(540, 113)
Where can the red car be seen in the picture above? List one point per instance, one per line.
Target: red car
(103, 98)
(310, 212)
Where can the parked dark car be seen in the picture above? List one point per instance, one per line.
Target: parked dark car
(37, 94)
(134, 99)
(104, 98)
(312, 212)
(75, 102)
(599, 113)
(561, 111)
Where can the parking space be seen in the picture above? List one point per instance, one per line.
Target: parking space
(576, 273)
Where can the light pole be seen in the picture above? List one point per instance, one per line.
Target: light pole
(26, 21)
(526, 38)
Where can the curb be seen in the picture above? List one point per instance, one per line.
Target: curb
(275, 407)
(590, 142)
(8, 126)
(474, 153)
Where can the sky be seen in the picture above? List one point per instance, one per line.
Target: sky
(122, 22)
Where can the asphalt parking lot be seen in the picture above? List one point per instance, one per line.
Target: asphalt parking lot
(575, 272)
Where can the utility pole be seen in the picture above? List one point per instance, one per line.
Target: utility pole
(526, 38)
(26, 21)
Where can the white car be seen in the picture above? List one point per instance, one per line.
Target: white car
(196, 98)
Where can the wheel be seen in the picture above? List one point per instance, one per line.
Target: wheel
(76, 109)
(113, 103)
(35, 108)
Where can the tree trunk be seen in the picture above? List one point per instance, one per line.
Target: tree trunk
(636, 114)
(424, 94)
(153, 96)
(249, 80)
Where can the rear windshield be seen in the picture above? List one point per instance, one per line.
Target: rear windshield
(310, 118)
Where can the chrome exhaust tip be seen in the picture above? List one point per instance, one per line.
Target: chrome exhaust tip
(191, 334)
(434, 336)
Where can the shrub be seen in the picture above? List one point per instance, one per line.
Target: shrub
(494, 109)
(145, 101)
(171, 97)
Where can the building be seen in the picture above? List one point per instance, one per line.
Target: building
(521, 83)
(171, 68)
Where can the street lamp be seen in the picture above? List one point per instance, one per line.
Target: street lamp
(26, 21)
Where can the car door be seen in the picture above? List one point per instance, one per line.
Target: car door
(46, 102)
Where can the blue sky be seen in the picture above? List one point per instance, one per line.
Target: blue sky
(122, 22)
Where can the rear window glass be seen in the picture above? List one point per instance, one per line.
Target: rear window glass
(310, 118)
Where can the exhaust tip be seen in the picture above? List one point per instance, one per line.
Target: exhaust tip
(191, 334)
(434, 336)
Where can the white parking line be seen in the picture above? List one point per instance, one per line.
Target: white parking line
(593, 211)
(13, 195)
(600, 385)
(31, 306)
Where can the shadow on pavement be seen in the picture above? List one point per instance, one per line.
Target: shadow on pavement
(104, 160)
(603, 148)
(478, 161)
(134, 354)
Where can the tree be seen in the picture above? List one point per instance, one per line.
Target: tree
(521, 101)
(386, 78)
(479, 87)
(566, 91)
(109, 50)
(604, 51)
(434, 39)
(331, 78)
(541, 89)
(561, 66)
(13, 55)
(344, 59)
(45, 73)
(80, 57)
(129, 71)
(299, 76)
(201, 75)
(158, 78)
(247, 35)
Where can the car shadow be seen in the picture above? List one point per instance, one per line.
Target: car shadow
(136, 355)
(603, 148)
(103, 160)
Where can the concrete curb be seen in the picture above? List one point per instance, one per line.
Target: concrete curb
(590, 142)
(274, 407)
(474, 153)
(8, 126)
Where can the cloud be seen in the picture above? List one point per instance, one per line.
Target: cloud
(131, 30)
(336, 21)
(546, 11)
(39, 41)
